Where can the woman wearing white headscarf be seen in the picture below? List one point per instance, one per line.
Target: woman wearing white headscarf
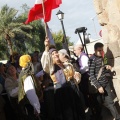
(67, 103)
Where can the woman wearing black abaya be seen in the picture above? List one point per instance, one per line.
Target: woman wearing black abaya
(67, 103)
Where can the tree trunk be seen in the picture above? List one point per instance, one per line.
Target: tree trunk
(7, 37)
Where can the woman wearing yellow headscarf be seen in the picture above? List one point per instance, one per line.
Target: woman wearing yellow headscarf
(27, 96)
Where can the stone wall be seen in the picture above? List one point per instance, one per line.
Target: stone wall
(108, 12)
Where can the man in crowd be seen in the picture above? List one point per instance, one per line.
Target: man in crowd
(83, 64)
(101, 83)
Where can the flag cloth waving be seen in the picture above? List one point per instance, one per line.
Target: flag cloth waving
(52, 42)
(36, 12)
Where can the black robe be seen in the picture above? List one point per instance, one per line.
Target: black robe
(65, 102)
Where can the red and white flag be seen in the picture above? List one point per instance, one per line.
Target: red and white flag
(36, 12)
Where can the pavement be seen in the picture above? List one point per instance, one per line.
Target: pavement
(106, 115)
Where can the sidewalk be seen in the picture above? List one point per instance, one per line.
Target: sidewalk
(106, 115)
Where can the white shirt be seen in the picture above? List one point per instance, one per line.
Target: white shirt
(11, 87)
(14, 92)
(84, 61)
(31, 94)
(47, 63)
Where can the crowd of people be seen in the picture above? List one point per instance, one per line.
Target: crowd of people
(56, 85)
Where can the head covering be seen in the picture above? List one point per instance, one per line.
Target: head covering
(1, 64)
(51, 50)
(63, 51)
(24, 60)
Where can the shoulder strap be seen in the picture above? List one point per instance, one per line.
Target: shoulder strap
(100, 71)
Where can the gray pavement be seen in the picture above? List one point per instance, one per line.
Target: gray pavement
(106, 115)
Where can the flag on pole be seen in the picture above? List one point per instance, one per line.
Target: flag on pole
(52, 42)
(36, 12)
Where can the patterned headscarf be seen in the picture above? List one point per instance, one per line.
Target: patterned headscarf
(51, 50)
(26, 64)
(24, 60)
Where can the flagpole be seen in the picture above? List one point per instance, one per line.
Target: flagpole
(44, 18)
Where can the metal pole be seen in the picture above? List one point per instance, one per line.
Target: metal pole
(81, 41)
(65, 38)
(45, 24)
(85, 43)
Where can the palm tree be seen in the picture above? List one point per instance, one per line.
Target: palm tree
(9, 26)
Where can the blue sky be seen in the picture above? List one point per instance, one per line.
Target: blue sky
(78, 13)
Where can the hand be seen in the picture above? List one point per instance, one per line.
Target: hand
(47, 42)
(77, 76)
(108, 67)
(36, 113)
(101, 90)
